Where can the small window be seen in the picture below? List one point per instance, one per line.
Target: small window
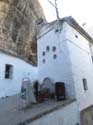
(54, 49)
(76, 36)
(85, 84)
(55, 56)
(43, 53)
(92, 58)
(44, 60)
(47, 48)
(8, 71)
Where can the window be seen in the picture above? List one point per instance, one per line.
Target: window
(54, 49)
(43, 53)
(76, 36)
(8, 71)
(85, 84)
(48, 48)
(55, 56)
(44, 60)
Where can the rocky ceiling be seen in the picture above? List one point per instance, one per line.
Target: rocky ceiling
(18, 27)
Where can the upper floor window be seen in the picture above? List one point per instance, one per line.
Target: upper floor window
(8, 71)
(44, 60)
(54, 49)
(47, 48)
(43, 53)
(55, 56)
(85, 84)
(76, 36)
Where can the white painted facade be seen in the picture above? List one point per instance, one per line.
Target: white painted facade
(82, 66)
(58, 69)
(21, 69)
(67, 115)
(73, 62)
(63, 56)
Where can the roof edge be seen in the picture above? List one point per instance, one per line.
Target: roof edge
(72, 22)
(11, 53)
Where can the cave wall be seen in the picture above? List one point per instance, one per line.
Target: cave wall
(18, 26)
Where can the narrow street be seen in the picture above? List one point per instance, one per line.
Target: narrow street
(11, 115)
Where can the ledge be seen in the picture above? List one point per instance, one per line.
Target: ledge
(51, 106)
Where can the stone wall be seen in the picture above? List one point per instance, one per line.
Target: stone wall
(17, 26)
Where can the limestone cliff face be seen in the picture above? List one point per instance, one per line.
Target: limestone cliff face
(17, 26)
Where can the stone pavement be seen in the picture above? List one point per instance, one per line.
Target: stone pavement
(11, 115)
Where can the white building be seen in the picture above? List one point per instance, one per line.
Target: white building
(65, 54)
(12, 70)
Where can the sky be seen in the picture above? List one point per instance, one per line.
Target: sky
(80, 10)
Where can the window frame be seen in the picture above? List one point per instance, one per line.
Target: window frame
(8, 71)
(85, 86)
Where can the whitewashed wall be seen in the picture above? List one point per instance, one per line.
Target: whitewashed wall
(58, 69)
(91, 49)
(68, 115)
(82, 66)
(21, 69)
(73, 62)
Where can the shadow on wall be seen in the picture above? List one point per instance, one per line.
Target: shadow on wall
(86, 116)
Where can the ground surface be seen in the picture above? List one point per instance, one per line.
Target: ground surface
(11, 115)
